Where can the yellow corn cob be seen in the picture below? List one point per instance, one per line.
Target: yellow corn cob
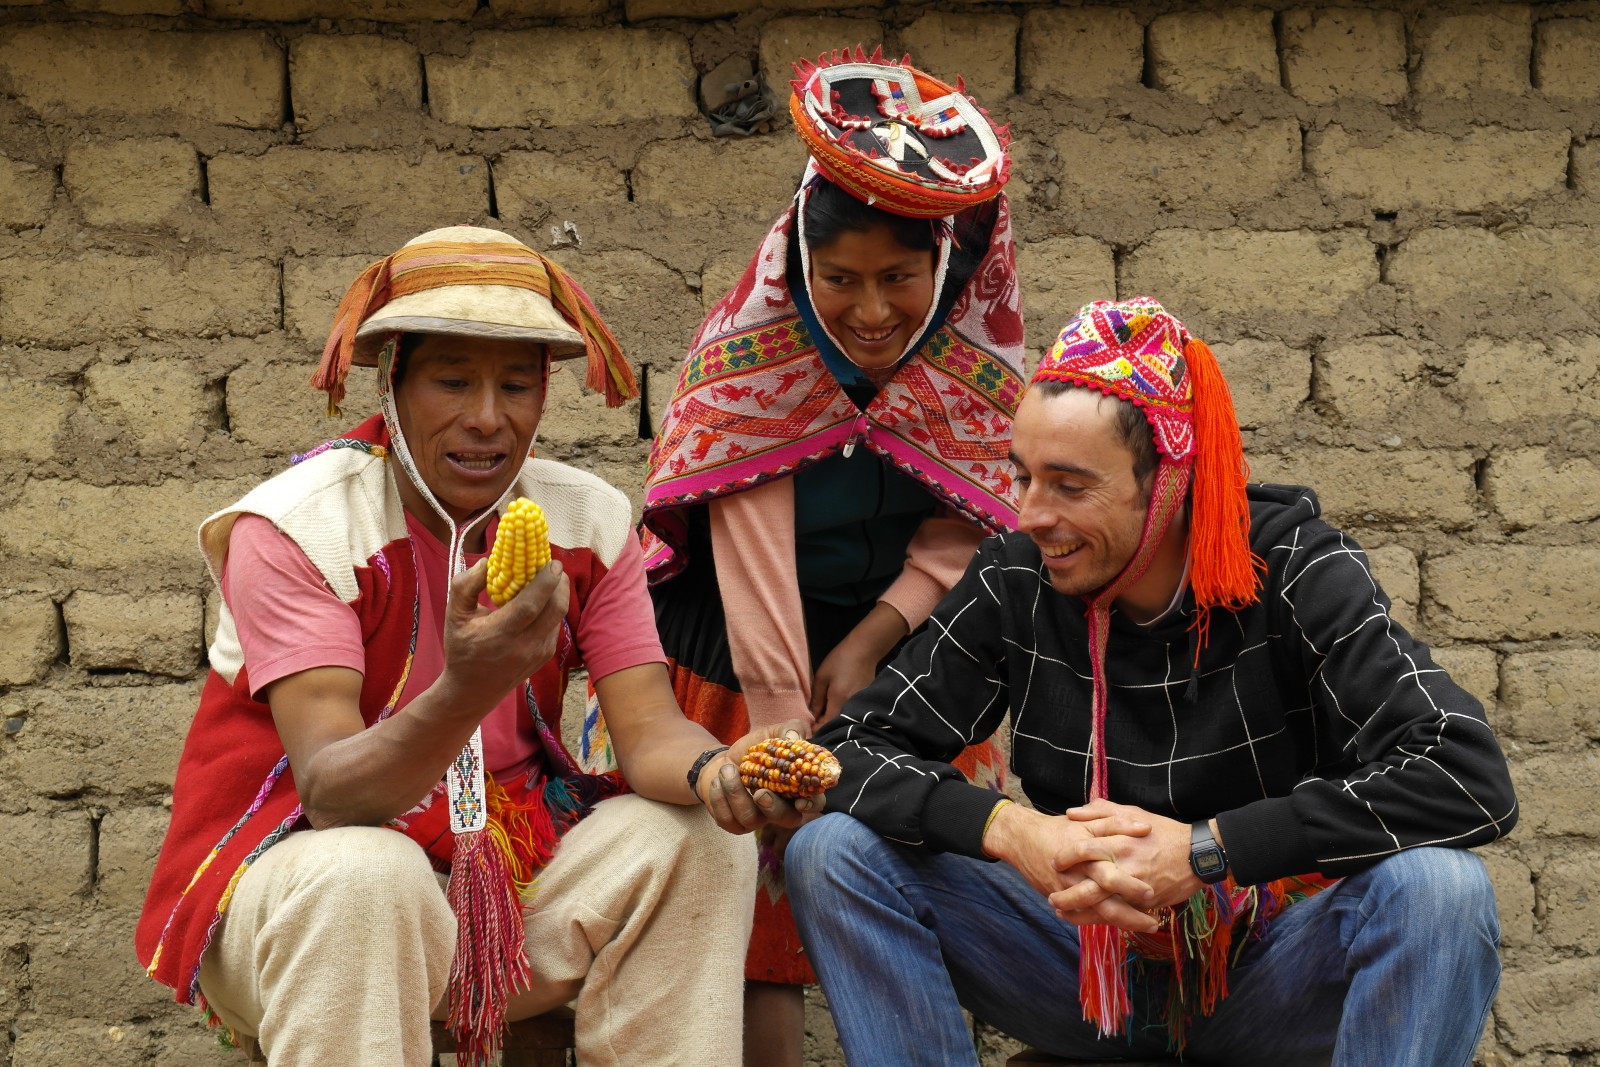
(521, 547)
(789, 767)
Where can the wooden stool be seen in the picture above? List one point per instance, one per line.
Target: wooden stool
(542, 1041)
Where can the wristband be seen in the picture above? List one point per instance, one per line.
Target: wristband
(992, 813)
(700, 764)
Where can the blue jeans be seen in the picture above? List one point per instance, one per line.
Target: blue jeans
(1396, 965)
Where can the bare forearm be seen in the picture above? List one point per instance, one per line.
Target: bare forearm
(654, 742)
(374, 775)
(879, 630)
(659, 768)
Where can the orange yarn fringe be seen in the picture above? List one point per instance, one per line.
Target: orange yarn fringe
(1223, 571)
(357, 303)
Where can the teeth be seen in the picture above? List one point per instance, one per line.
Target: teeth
(477, 463)
(1059, 550)
(880, 335)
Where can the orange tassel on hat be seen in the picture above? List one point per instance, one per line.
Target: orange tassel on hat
(1223, 572)
(607, 373)
(367, 292)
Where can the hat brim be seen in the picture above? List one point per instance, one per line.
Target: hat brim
(500, 312)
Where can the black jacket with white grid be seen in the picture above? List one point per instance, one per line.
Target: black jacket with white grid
(1316, 730)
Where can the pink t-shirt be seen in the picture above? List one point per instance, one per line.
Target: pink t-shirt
(290, 620)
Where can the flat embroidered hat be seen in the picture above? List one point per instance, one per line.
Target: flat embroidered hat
(896, 137)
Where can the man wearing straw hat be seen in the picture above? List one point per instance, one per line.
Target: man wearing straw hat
(1254, 791)
(371, 722)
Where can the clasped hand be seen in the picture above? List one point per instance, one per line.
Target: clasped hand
(1099, 863)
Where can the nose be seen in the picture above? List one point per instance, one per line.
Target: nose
(482, 409)
(1031, 515)
(873, 307)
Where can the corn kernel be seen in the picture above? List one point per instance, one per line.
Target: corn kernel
(789, 767)
(521, 548)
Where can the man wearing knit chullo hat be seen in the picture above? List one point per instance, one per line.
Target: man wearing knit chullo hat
(1253, 791)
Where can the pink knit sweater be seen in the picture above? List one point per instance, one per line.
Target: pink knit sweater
(752, 537)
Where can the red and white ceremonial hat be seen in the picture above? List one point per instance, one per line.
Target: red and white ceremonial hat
(896, 137)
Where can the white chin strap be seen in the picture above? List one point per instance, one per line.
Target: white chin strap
(469, 807)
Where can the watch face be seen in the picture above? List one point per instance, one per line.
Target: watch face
(1207, 862)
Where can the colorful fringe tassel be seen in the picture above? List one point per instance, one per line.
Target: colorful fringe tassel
(1190, 954)
(491, 876)
(491, 961)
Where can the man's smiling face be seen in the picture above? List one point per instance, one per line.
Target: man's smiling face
(1079, 499)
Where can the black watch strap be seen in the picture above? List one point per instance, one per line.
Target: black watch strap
(700, 764)
(1206, 858)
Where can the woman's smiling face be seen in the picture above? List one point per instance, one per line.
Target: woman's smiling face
(872, 293)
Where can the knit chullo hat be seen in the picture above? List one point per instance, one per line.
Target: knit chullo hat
(896, 137)
(473, 282)
(1136, 351)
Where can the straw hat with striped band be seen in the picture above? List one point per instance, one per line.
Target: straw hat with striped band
(470, 281)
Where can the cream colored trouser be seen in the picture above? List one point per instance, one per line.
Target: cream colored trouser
(338, 942)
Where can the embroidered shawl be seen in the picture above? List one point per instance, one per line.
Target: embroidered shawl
(755, 400)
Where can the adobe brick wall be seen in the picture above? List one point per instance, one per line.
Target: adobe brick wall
(1385, 215)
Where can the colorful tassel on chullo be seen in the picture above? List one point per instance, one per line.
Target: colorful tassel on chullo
(1223, 571)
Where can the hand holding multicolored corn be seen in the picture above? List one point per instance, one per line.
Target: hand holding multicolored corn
(791, 767)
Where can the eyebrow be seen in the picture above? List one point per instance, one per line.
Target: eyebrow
(1058, 468)
(908, 263)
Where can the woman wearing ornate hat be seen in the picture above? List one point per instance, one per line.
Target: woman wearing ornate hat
(837, 443)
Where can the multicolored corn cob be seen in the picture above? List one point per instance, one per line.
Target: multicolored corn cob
(789, 767)
(521, 547)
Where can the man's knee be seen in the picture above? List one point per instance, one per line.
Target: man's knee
(678, 837)
(354, 867)
(1435, 882)
(1448, 875)
(824, 847)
